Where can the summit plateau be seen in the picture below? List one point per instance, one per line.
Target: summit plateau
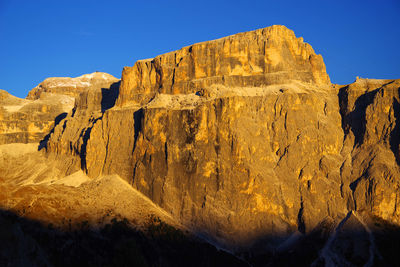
(241, 144)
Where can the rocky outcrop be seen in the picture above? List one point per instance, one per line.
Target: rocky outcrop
(245, 141)
(92, 221)
(370, 112)
(267, 56)
(262, 125)
(72, 86)
(275, 153)
(30, 120)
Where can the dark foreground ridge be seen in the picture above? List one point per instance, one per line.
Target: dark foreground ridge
(30, 243)
(27, 242)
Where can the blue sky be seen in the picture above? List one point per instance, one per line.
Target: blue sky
(57, 38)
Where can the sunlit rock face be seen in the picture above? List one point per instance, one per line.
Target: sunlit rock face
(370, 115)
(243, 167)
(267, 56)
(30, 120)
(72, 86)
(243, 139)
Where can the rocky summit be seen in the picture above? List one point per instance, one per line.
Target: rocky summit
(31, 119)
(241, 144)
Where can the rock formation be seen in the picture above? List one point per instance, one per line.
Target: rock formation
(370, 112)
(281, 146)
(267, 56)
(245, 142)
(72, 86)
(30, 120)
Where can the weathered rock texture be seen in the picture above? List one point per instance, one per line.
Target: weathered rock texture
(244, 138)
(370, 118)
(27, 121)
(37, 188)
(245, 141)
(31, 119)
(72, 86)
(45, 215)
(267, 56)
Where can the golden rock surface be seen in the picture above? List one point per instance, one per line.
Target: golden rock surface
(30, 120)
(72, 86)
(266, 56)
(242, 139)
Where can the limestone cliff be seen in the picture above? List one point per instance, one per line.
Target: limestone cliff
(28, 121)
(31, 119)
(72, 86)
(267, 56)
(245, 142)
(244, 137)
(370, 110)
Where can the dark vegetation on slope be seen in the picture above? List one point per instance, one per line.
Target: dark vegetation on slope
(30, 243)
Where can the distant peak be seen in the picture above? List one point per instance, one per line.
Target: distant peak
(72, 86)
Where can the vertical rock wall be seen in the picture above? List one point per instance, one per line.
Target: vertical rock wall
(267, 56)
(243, 138)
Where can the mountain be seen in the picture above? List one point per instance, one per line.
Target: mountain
(72, 86)
(25, 121)
(31, 119)
(242, 142)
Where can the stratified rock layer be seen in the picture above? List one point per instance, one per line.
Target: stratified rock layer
(370, 117)
(244, 139)
(30, 120)
(27, 121)
(72, 86)
(267, 56)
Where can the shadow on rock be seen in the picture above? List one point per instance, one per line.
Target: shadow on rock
(30, 243)
(395, 134)
(57, 120)
(109, 96)
(355, 120)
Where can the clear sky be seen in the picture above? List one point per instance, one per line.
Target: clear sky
(57, 38)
